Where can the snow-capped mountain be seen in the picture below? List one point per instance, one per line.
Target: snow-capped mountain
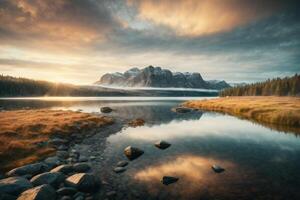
(158, 77)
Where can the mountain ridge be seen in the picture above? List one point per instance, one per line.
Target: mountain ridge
(158, 77)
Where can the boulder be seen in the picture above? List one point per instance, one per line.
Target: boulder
(106, 110)
(167, 180)
(162, 144)
(81, 167)
(14, 185)
(217, 169)
(119, 169)
(82, 181)
(132, 152)
(66, 169)
(65, 191)
(181, 110)
(52, 178)
(122, 163)
(32, 169)
(136, 122)
(52, 161)
(43, 192)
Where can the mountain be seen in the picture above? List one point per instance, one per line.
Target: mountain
(158, 77)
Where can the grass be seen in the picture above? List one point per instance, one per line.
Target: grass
(276, 112)
(21, 131)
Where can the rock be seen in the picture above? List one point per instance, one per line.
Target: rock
(52, 161)
(83, 159)
(66, 169)
(122, 163)
(52, 178)
(119, 170)
(133, 152)
(106, 110)
(78, 195)
(62, 154)
(82, 181)
(162, 144)
(14, 185)
(65, 191)
(32, 169)
(217, 169)
(136, 122)
(43, 192)
(166, 180)
(57, 142)
(81, 167)
(75, 154)
(182, 110)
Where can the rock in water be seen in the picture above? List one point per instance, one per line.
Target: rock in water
(217, 169)
(82, 181)
(167, 180)
(43, 192)
(162, 144)
(52, 178)
(136, 122)
(119, 170)
(14, 185)
(122, 163)
(181, 110)
(105, 109)
(66, 191)
(133, 152)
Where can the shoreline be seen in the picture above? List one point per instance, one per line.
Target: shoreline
(29, 136)
(281, 113)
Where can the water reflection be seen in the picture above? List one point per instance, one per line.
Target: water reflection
(259, 162)
(196, 179)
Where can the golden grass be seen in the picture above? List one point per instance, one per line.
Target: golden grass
(281, 111)
(22, 130)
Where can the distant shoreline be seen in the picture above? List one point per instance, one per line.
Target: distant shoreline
(282, 113)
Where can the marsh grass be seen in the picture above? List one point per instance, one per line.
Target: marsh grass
(282, 113)
(22, 131)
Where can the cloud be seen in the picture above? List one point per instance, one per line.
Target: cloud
(59, 24)
(203, 17)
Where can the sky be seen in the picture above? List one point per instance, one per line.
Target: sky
(77, 41)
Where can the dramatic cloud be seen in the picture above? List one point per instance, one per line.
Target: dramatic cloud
(194, 17)
(79, 40)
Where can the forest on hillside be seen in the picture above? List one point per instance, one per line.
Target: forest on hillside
(12, 86)
(288, 86)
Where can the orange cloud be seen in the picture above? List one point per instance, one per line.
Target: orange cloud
(201, 17)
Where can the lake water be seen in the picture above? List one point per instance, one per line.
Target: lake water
(259, 163)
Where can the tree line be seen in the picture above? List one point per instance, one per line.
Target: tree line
(288, 86)
(12, 86)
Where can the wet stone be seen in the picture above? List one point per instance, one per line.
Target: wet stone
(217, 169)
(119, 169)
(133, 152)
(167, 180)
(162, 144)
(122, 163)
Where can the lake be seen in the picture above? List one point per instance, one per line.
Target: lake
(259, 163)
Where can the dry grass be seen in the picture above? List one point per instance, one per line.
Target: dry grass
(22, 130)
(281, 111)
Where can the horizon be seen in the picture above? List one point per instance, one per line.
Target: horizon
(79, 41)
